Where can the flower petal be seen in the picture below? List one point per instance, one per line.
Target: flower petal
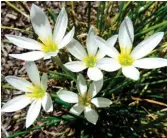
(100, 54)
(44, 81)
(61, 25)
(81, 84)
(16, 103)
(90, 42)
(101, 102)
(33, 73)
(67, 39)
(91, 115)
(92, 92)
(151, 63)
(68, 96)
(24, 42)
(94, 74)
(108, 64)
(76, 49)
(50, 54)
(131, 72)
(47, 103)
(19, 83)
(33, 112)
(77, 109)
(111, 41)
(110, 51)
(40, 22)
(75, 66)
(126, 34)
(98, 85)
(29, 56)
(146, 46)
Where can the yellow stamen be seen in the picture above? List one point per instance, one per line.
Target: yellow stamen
(37, 92)
(85, 100)
(90, 61)
(48, 45)
(124, 58)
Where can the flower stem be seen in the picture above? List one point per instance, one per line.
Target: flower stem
(56, 60)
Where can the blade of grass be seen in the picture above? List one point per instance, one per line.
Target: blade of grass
(15, 8)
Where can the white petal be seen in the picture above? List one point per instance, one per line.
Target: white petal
(47, 103)
(98, 85)
(75, 66)
(108, 64)
(61, 25)
(90, 42)
(67, 39)
(126, 34)
(92, 92)
(146, 46)
(44, 81)
(33, 112)
(40, 22)
(101, 102)
(29, 56)
(24, 42)
(131, 72)
(76, 49)
(16, 103)
(81, 84)
(94, 74)
(50, 54)
(77, 109)
(150, 63)
(19, 83)
(100, 54)
(111, 41)
(91, 115)
(110, 51)
(68, 96)
(33, 73)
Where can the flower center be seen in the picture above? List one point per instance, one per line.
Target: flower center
(90, 61)
(124, 58)
(85, 100)
(48, 45)
(37, 92)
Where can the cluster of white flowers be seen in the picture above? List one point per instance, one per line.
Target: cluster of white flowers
(94, 59)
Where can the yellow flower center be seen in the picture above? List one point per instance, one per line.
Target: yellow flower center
(85, 100)
(124, 58)
(48, 45)
(90, 61)
(37, 92)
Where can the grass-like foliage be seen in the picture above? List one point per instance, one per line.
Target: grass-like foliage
(139, 104)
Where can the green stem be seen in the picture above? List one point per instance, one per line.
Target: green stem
(57, 61)
(17, 29)
(113, 81)
(18, 10)
(151, 28)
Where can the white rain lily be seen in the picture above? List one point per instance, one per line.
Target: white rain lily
(93, 59)
(49, 44)
(129, 59)
(85, 99)
(35, 94)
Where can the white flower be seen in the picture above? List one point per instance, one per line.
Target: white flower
(85, 99)
(93, 59)
(50, 44)
(35, 94)
(129, 59)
